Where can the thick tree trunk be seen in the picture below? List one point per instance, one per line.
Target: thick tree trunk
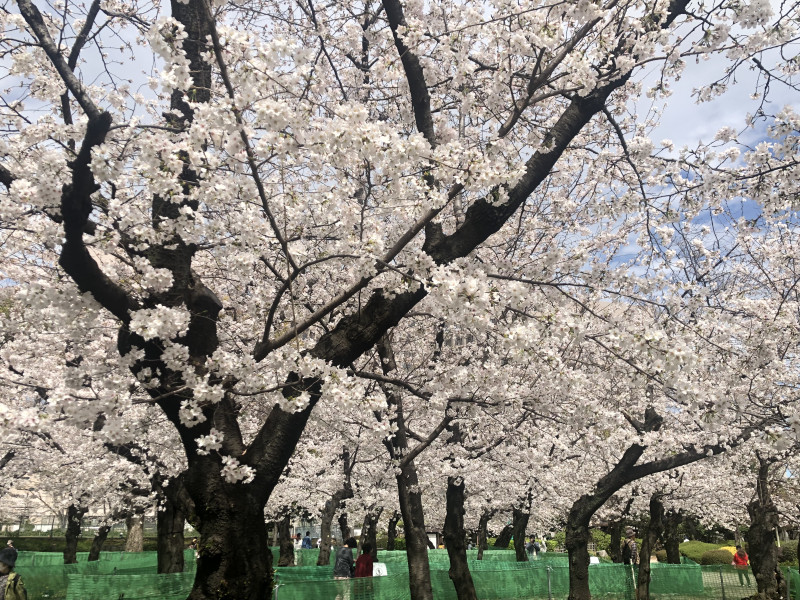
(672, 540)
(483, 532)
(234, 561)
(504, 539)
(455, 537)
(135, 541)
(170, 521)
(761, 539)
(344, 527)
(369, 531)
(391, 535)
(520, 524)
(286, 543)
(98, 541)
(74, 519)
(654, 530)
(577, 542)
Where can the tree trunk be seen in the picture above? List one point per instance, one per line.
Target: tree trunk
(615, 531)
(504, 539)
(74, 518)
(455, 537)
(326, 520)
(170, 521)
(672, 540)
(234, 561)
(761, 539)
(286, 543)
(391, 535)
(344, 527)
(369, 532)
(419, 573)
(577, 542)
(98, 541)
(135, 541)
(519, 525)
(654, 530)
(408, 491)
(483, 532)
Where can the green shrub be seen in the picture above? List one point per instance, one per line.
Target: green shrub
(601, 540)
(695, 550)
(552, 545)
(661, 555)
(789, 552)
(716, 557)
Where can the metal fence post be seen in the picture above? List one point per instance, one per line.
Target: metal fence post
(549, 586)
(721, 582)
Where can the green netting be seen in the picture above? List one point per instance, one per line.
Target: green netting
(793, 581)
(46, 580)
(391, 587)
(498, 578)
(175, 586)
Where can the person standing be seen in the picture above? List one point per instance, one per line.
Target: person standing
(306, 545)
(630, 551)
(11, 585)
(344, 568)
(365, 561)
(741, 562)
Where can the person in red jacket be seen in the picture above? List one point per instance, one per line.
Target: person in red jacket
(741, 562)
(364, 562)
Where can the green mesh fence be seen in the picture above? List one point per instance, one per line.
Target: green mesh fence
(174, 586)
(120, 576)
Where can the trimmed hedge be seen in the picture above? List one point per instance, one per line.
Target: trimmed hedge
(716, 557)
(695, 550)
(661, 555)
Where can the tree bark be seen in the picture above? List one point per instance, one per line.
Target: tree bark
(483, 532)
(654, 530)
(761, 538)
(408, 491)
(234, 561)
(504, 539)
(671, 538)
(135, 541)
(98, 541)
(391, 534)
(74, 519)
(286, 543)
(615, 531)
(519, 525)
(369, 531)
(170, 522)
(455, 537)
(577, 542)
(344, 526)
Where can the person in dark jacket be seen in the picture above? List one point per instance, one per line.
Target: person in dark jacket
(11, 585)
(343, 568)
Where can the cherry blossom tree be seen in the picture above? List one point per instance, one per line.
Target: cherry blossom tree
(301, 178)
